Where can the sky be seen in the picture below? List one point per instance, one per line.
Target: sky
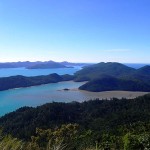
(75, 30)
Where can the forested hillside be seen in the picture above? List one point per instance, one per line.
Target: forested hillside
(97, 118)
(97, 70)
(22, 81)
(114, 76)
(100, 115)
(109, 83)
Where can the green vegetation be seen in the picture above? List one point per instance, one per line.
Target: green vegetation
(22, 81)
(92, 125)
(101, 77)
(114, 76)
(69, 137)
(103, 69)
(109, 83)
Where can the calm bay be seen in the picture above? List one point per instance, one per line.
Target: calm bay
(13, 99)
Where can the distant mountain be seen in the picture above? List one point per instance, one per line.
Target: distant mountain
(144, 70)
(101, 77)
(18, 64)
(109, 83)
(114, 76)
(6, 65)
(96, 70)
(47, 65)
(136, 65)
(142, 74)
(41, 65)
(75, 64)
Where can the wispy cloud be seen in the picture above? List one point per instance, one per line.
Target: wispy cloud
(118, 50)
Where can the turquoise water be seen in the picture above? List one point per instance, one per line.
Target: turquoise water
(35, 72)
(13, 99)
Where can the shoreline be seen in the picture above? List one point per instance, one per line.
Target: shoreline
(41, 85)
(117, 94)
(92, 95)
(108, 94)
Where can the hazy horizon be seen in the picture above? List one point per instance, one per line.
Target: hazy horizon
(76, 31)
(74, 62)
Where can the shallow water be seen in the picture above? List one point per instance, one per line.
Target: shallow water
(12, 99)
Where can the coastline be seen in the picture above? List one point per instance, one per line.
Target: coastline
(109, 94)
(92, 95)
(40, 85)
(117, 94)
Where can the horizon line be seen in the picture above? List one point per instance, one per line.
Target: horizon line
(74, 62)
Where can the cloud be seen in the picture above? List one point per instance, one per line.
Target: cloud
(118, 50)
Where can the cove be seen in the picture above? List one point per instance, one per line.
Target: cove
(13, 99)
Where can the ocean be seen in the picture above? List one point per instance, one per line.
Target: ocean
(36, 72)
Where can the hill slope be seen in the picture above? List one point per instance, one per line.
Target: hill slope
(111, 69)
(22, 81)
(111, 84)
(114, 76)
(48, 65)
(97, 115)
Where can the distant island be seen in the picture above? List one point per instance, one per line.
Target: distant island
(50, 64)
(101, 77)
(41, 65)
(114, 76)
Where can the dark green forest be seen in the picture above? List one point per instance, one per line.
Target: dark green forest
(119, 76)
(22, 81)
(116, 124)
(114, 76)
(109, 83)
(105, 124)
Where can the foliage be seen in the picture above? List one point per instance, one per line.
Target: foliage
(122, 78)
(98, 115)
(114, 76)
(22, 81)
(100, 69)
(9, 143)
(111, 83)
(92, 125)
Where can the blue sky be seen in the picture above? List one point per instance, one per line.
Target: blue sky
(75, 30)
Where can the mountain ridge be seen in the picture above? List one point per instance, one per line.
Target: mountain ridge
(40, 64)
(137, 79)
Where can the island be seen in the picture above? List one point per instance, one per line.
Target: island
(22, 81)
(114, 76)
(41, 65)
(48, 65)
(100, 77)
